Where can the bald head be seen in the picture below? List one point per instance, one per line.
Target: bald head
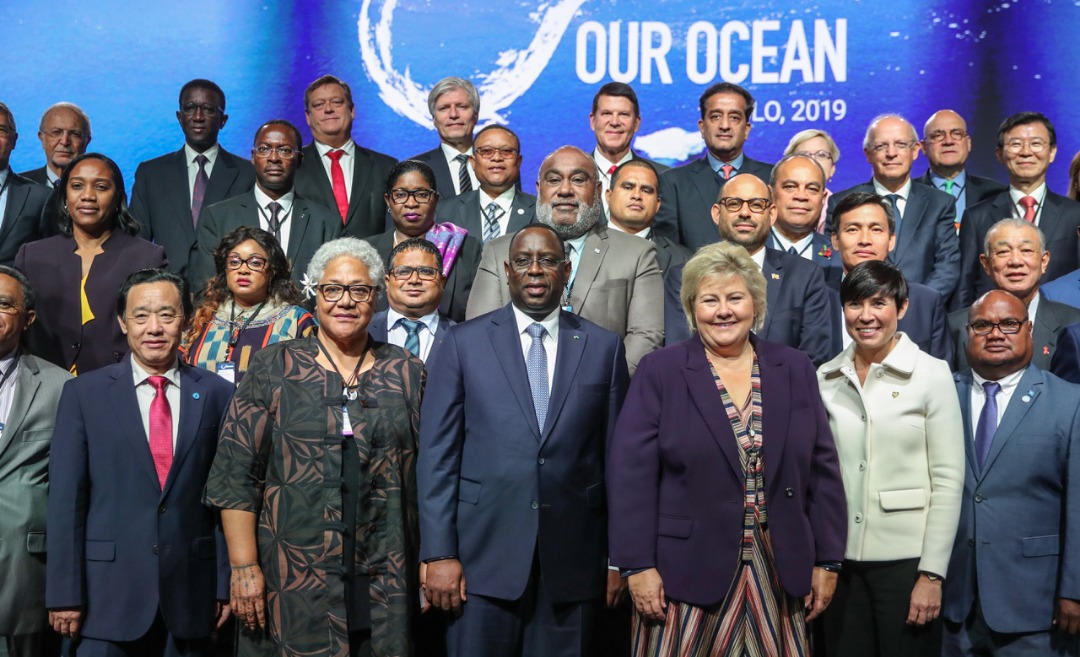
(744, 211)
(946, 143)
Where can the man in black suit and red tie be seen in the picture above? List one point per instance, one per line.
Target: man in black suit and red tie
(454, 106)
(171, 190)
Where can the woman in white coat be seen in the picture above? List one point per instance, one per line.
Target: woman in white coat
(894, 413)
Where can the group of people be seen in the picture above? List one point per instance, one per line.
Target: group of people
(368, 407)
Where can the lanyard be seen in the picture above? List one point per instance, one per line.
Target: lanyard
(347, 392)
(234, 337)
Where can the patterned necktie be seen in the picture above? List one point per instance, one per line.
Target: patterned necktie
(949, 184)
(491, 221)
(536, 363)
(464, 181)
(1028, 203)
(987, 426)
(275, 219)
(198, 193)
(893, 198)
(161, 445)
(337, 177)
(412, 336)
(792, 251)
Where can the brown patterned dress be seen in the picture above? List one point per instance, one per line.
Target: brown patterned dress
(280, 456)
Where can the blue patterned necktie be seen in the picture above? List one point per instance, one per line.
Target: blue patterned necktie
(893, 198)
(536, 363)
(412, 337)
(491, 221)
(987, 426)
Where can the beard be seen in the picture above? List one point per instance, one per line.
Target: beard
(587, 217)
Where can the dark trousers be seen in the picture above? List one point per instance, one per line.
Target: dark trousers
(157, 642)
(868, 613)
(974, 638)
(45, 643)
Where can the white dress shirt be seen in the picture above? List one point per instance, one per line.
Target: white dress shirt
(603, 166)
(1039, 194)
(449, 152)
(348, 160)
(550, 339)
(9, 372)
(286, 203)
(978, 397)
(802, 247)
(396, 333)
(145, 393)
(193, 166)
(903, 193)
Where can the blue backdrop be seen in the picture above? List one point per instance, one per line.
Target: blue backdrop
(831, 64)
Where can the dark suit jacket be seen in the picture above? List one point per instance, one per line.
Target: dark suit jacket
(1065, 289)
(50, 216)
(688, 194)
(1066, 360)
(926, 250)
(797, 306)
(118, 544)
(378, 330)
(37, 175)
(676, 488)
(830, 264)
(1051, 319)
(444, 178)
(24, 216)
(495, 488)
(55, 270)
(465, 211)
(161, 201)
(458, 284)
(367, 210)
(668, 254)
(312, 226)
(1018, 519)
(976, 188)
(1058, 221)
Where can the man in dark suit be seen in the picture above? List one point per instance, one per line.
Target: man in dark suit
(1013, 586)
(797, 310)
(798, 191)
(1015, 260)
(414, 288)
(136, 564)
(170, 191)
(454, 106)
(498, 207)
(300, 225)
(862, 230)
(926, 248)
(1065, 289)
(633, 199)
(1026, 145)
(64, 134)
(22, 203)
(947, 145)
(341, 175)
(29, 391)
(615, 119)
(511, 465)
(690, 191)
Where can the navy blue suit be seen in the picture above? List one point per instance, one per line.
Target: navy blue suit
(378, 330)
(798, 312)
(1065, 289)
(824, 256)
(1066, 360)
(118, 545)
(1050, 321)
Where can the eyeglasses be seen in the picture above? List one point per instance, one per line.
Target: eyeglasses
(488, 152)
(190, 109)
(399, 196)
(165, 317)
(58, 133)
(1006, 326)
(359, 293)
(334, 102)
(284, 152)
(405, 272)
(8, 307)
(254, 263)
(898, 145)
(1017, 145)
(734, 204)
(523, 263)
(939, 135)
(816, 155)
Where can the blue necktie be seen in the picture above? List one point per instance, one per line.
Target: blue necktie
(792, 251)
(987, 427)
(893, 198)
(491, 221)
(412, 336)
(536, 363)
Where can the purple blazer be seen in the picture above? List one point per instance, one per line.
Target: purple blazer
(675, 486)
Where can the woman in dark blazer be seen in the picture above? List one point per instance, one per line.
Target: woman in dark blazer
(727, 510)
(78, 272)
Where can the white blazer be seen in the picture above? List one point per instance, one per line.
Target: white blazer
(901, 446)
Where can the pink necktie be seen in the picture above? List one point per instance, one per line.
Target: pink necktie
(337, 177)
(161, 447)
(727, 169)
(1028, 203)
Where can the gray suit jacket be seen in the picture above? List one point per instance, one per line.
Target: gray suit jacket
(24, 492)
(618, 286)
(465, 211)
(1050, 319)
(312, 226)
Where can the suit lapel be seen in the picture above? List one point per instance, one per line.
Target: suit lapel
(914, 210)
(774, 279)
(522, 211)
(706, 183)
(300, 218)
(775, 410)
(221, 178)
(192, 396)
(1050, 221)
(571, 347)
(593, 251)
(702, 386)
(179, 194)
(1023, 398)
(26, 387)
(317, 175)
(16, 199)
(126, 405)
(963, 391)
(507, 346)
(440, 334)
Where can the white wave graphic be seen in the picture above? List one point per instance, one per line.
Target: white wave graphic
(670, 144)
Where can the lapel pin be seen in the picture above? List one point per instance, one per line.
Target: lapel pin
(521, 211)
(577, 337)
(194, 395)
(776, 276)
(1025, 399)
(1046, 350)
(896, 393)
(596, 250)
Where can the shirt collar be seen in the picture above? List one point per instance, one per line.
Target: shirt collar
(551, 322)
(51, 177)
(1033, 307)
(603, 164)
(759, 258)
(782, 242)
(431, 320)
(643, 233)
(141, 375)
(903, 192)
(449, 152)
(1039, 194)
(716, 163)
(285, 201)
(349, 147)
(210, 153)
(504, 200)
(1008, 383)
(959, 181)
(578, 243)
(3, 176)
(7, 361)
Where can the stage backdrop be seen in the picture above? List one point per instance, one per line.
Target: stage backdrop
(831, 64)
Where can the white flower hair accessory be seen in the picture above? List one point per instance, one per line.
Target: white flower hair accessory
(308, 286)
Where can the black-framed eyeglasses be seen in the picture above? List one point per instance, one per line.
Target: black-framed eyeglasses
(58, 133)
(191, 108)
(734, 204)
(359, 293)
(405, 272)
(423, 195)
(524, 263)
(1008, 326)
(284, 152)
(488, 152)
(254, 263)
(939, 135)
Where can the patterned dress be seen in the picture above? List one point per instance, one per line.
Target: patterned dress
(273, 324)
(757, 618)
(280, 456)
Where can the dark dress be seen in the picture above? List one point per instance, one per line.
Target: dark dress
(281, 456)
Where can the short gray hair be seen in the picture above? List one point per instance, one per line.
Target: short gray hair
(68, 106)
(878, 119)
(356, 249)
(722, 260)
(1013, 222)
(449, 84)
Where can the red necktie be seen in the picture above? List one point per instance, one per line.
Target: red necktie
(612, 169)
(1028, 203)
(337, 177)
(161, 447)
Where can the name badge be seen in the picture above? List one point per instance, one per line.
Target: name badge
(346, 423)
(227, 371)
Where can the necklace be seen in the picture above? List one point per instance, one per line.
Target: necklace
(349, 386)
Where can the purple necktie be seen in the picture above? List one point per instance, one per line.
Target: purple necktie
(984, 431)
(199, 191)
